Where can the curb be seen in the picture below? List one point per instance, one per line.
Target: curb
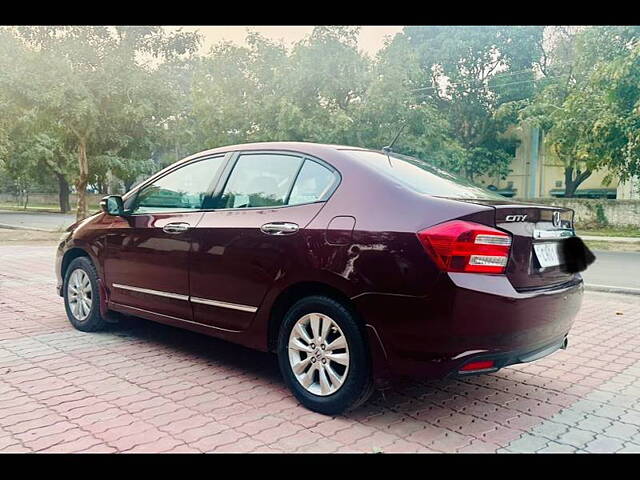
(612, 289)
(15, 227)
(594, 238)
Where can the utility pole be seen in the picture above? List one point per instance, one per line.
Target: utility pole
(533, 163)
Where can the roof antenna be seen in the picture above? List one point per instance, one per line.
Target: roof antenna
(389, 147)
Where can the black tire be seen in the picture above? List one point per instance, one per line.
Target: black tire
(357, 386)
(94, 321)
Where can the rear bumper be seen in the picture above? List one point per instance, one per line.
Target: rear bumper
(468, 317)
(502, 360)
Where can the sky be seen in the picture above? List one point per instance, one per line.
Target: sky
(371, 36)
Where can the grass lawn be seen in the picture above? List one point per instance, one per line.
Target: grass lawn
(43, 207)
(613, 247)
(610, 231)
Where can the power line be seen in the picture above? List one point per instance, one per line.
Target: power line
(495, 86)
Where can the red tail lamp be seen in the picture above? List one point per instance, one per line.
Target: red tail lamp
(473, 366)
(460, 246)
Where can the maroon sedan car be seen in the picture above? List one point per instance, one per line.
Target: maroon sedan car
(353, 265)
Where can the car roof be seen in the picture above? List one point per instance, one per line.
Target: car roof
(302, 147)
(323, 151)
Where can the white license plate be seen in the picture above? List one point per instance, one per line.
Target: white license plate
(547, 254)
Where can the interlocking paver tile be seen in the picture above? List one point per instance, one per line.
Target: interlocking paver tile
(622, 431)
(213, 442)
(193, 434)
(604, 444)
(554, 447)
(528, 443)
(144, 387)
(576, 437)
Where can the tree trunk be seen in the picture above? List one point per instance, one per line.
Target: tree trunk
(63, 193)
(572, 183)
(83, 178)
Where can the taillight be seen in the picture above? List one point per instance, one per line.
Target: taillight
(473, 366)
(459, 246)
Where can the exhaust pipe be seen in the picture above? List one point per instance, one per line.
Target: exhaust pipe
(565, 343)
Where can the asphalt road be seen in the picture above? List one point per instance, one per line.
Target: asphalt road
(42, 220)
(611, 269)
(614, 269)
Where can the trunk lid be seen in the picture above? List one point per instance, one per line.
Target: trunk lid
(537, 231)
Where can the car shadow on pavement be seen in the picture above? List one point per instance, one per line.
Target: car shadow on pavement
(478, 405)
(199, 347)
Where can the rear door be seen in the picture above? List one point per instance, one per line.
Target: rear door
(254, 235)
(147, 258)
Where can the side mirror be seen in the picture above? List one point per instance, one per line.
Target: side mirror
(112, 205)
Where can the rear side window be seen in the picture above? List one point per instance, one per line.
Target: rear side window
(260, 180)
(182, 189)
(422, 176)
(274, 180)
(315, 182)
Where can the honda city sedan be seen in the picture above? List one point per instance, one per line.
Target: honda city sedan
(354, 266)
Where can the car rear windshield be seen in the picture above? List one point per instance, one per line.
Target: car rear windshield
(422, 176)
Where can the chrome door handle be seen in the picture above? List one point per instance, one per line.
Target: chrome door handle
(178, 227)
(279, 228)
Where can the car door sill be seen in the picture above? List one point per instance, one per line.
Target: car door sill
(143, 312)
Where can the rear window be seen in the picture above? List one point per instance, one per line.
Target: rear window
(422, 176)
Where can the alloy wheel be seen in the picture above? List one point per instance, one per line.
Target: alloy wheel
(318, 354)
(79, 294)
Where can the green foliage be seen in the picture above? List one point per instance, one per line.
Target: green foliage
(90, 84)
(86, 105)
(601, 218)
(479, 77)
(586, 101)
(616, 134)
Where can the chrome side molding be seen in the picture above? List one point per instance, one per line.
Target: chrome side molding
(232, 306)
(149, 291)
(177, 296)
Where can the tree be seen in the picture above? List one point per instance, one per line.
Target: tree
(572, 105)
(390, 103)
(262, 92)
(470, 73)
(616, 133)
(92, 79)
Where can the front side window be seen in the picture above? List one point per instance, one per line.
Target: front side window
(260, 180)
(182, 189)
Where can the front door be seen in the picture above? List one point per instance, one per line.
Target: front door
(147, 260)
(248, 243)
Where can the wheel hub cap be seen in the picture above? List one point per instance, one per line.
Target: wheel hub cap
(318, 354)
(79, 294)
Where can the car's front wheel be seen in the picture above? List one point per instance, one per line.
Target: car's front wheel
(82, 296)
(323, 356)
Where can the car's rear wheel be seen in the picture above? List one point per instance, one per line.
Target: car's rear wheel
(323, 356)
(82, 296)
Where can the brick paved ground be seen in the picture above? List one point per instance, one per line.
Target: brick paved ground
(144, 387)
